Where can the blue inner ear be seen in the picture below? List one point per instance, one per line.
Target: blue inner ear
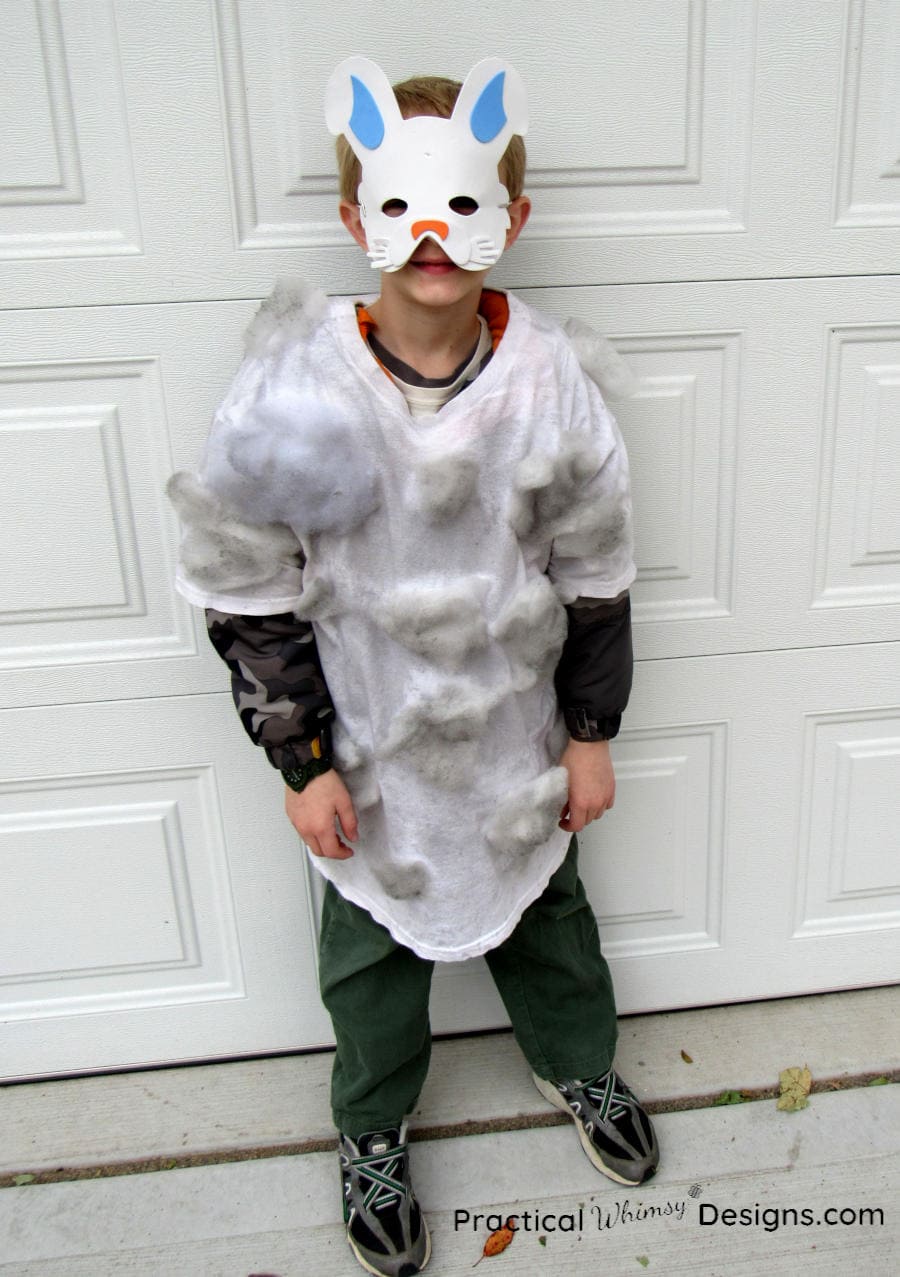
(488, 116)
(365, 120)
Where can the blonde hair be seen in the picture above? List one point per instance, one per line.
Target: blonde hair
(429, 95)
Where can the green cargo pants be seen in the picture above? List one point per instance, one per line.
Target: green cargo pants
(550, 973)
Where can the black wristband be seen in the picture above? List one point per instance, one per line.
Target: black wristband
(297, 778)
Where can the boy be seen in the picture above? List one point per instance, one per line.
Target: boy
(413, 521)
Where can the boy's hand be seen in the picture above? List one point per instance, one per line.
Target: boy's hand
(592, 783)
(313, 813)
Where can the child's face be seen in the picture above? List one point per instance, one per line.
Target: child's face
(430, 277)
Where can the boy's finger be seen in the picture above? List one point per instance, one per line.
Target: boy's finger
(327, 848)
(333, 848)
(349, 823)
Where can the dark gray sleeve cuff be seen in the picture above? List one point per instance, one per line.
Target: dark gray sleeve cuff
(582, 726)
(593, 677)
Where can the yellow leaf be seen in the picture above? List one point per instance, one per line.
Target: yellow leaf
(795, 1084)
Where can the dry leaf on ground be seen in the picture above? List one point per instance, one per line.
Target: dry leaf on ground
(497, 1242)
(795, 1084)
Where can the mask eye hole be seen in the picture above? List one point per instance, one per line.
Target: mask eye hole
(394, 208)
(464, 205)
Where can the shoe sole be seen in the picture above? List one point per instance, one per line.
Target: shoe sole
(377, 1271)
(558, 1100)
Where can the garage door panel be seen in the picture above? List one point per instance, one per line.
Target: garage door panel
(682, 433)
(665, 894)
(67, 185)
(116, 894)
(858, 530)
(849, 849)
(764, 458)
(154, 903)
(803, 825)
(90, 545)
(868, 157)
(96, 411)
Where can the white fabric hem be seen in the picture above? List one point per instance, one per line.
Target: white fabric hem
(475, 948)
(592, 587)
(235, 603)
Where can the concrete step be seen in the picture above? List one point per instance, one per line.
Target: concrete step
(261, 1107)
(281, 1215)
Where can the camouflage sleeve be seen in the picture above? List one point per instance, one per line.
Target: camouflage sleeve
(593, 677)
(277, 683)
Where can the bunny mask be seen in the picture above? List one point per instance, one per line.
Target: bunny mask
(430, 177)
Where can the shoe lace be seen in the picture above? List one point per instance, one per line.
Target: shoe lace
(385, 1173)
(609, 1096)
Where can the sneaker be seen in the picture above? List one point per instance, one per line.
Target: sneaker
(385, 1227)
(614, 1130)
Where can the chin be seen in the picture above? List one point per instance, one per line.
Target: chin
(441, 287)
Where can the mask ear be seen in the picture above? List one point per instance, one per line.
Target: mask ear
(492, 104)
(360, 103)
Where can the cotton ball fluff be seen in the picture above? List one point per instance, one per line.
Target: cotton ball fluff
(402, 880)
(599, 532)
(218, 550)
(444, 485)
(439, 734)
(526, 818)
(291, 312)
(600, 360)
(546, 487)
(292, 458)
(598, 528)
(443, 623)
(532, 628)
(357, 771)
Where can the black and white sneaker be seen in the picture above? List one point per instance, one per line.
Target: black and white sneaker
(614, 1130)
(385, 1226)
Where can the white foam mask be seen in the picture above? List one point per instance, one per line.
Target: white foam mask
(429, 177)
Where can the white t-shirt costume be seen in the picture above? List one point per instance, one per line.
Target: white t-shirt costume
(439, 552)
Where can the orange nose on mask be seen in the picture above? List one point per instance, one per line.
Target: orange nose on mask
(439, 228)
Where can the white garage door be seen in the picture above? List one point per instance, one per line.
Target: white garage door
(717, 187)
